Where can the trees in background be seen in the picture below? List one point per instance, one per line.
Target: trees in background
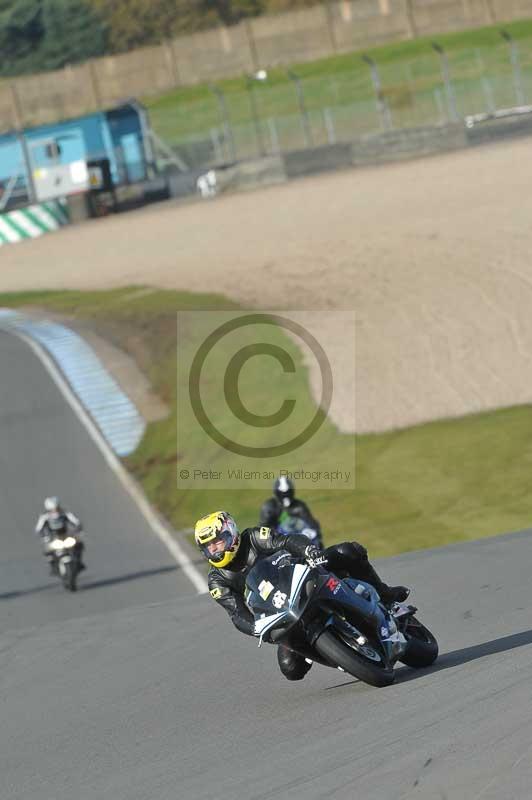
(134, 23)
(231, 11)
(40, 35)
(48, 34)
(73, 33)
(20, 33)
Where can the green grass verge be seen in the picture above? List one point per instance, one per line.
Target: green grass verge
(425, 486)
(410, 73)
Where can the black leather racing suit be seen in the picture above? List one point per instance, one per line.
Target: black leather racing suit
(227, 585)
(273, 511)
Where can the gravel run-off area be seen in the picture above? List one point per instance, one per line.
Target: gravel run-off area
(433, 255)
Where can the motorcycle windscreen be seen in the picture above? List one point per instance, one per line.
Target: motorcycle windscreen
(289, 524)
(268, 584)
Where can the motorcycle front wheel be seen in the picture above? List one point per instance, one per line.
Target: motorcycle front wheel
(339, 654)
(69, 577)
(422, 647)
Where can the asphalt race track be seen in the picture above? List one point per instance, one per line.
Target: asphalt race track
(44, 450)
(138, 689)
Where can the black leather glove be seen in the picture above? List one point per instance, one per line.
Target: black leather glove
(314, 556)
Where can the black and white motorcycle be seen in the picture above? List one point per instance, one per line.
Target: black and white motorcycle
(340, 623)
(66, 559)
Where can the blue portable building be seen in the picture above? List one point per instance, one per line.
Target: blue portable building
(119, 135)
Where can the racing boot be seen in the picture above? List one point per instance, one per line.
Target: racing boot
(388, 594)
(393, 594)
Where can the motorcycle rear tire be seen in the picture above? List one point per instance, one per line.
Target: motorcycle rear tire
(339, 654)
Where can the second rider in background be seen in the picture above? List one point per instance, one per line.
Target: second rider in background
(287, 514)
(57, 522)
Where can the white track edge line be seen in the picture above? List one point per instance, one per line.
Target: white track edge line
(193, 574)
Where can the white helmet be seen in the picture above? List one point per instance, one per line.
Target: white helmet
(51, 504)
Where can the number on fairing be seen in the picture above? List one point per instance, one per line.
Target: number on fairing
(265, 589)
(279, 599)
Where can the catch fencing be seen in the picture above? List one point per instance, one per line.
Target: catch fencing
(268, 116)
(329, 28)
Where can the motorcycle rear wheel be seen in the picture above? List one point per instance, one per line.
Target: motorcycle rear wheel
(339, 654)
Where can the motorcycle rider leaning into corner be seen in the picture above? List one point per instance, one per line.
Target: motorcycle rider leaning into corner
(283, 504)
(232, 554)
(56, 522)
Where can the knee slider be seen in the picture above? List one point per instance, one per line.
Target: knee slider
(292, 665)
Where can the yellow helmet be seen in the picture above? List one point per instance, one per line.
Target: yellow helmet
(218, 538)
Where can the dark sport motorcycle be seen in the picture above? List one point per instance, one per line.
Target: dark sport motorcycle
(337, 622)
(66, 560)
(289, 524)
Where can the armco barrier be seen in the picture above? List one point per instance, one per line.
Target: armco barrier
(493, 129)
(408, 143)
(260, 172)
(375, 149)
(32, 221)
(380, 148)
(317, 159)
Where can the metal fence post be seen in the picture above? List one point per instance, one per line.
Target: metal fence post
(329, 126)
(438, 99)
(255, 113)
(32, 194)
(382, 105)
(19, 121)
(516, 67)
(217, 145)
(224, 115)
(305, 119)
(446, 75)
(274, 136)
(488, 94)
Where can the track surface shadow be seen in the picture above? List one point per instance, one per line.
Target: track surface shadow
(54, 582)
(132, 576)
(455, 658)
(16, 593)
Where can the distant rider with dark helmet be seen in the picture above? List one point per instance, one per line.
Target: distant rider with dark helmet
(232, 554)
(284, 509)
(57, 523)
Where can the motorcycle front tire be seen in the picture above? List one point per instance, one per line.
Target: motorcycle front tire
(339, 654)
(422, 647)
(69, 578)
